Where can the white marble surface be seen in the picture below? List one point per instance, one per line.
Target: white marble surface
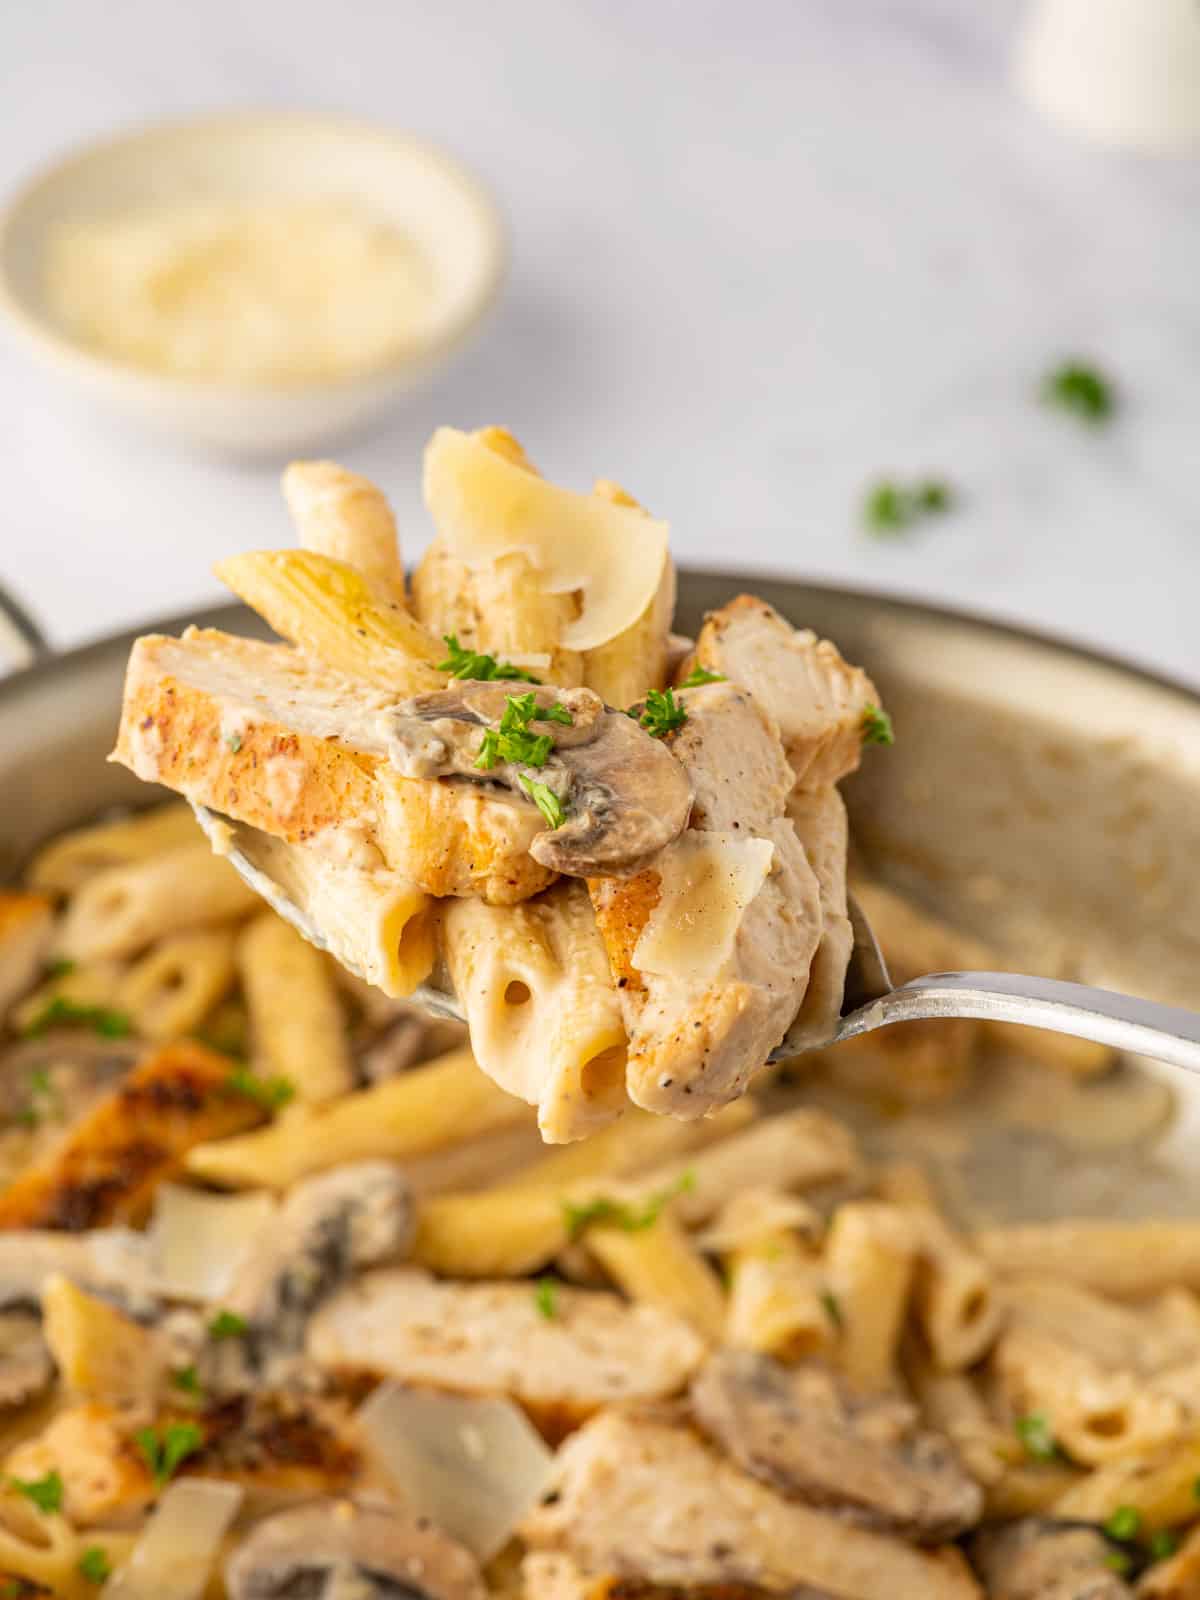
(762, 252)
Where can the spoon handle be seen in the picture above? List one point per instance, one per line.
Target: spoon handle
(1145, 1027)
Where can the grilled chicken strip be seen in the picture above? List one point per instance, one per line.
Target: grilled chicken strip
(624, 796)
(819, 818)
(549, 1575)
(800, 1430)
(490, 1338)
(111, 1161)
(1035, 1560)
(274, 739)
(639, 1495)
(815, 697)
(706, 1003)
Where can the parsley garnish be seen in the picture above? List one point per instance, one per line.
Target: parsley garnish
(513, 741)
(545, 799)
(45, 1493)
(43, 1098)
(1034, 1433)
(234, 741)
(462, 663)
(226, 1325)
(545, 1298)
(61, 968)
(270, 1093)
(187, 1379)
(892, 507)
(109, 1024)
(661, 713)
(165, 1453)
(699, 675)
(1124, 1523)
(94, 1565)
(833, 1309)
(1080, 389)
(876, 726)
(606, 1212)
(1118, 1561)
(1164, 1543)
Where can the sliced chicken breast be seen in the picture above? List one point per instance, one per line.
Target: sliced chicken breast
(550, 1575)
(639, 1494)
(491, 1338)
(819, 818)
(816, 697)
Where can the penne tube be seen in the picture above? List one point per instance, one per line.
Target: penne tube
(339, 514)
(1128, 1260)
(444, 1103)
(88, 985)
(171, 989)
(296, 1017)
(870, 1257)
(778, 1301)
(1159, 1485)
(1140, 1339)
(67, 862)
(661, 1266)
(1031, 1490)
(121, 910)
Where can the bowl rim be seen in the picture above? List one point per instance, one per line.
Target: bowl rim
(40, 334)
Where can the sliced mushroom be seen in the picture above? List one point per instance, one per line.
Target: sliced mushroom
(624, 793)
(328, 1228)
(1036, 1560)
(336, 1550)
(411, 1036)
(51, 1080)
(800, 1430)
(26, 1367)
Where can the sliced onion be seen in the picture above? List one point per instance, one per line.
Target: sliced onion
(200, 1240)
(180, 1543)
(473, 1467)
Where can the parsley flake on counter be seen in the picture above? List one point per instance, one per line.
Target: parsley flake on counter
(892, 507)
(604, 1211)
(272, 1093)
(699, 675)
(545, 1298)
(1034, 1433)
(545, 799)
(877, 726)
(45, 1493)
(661, 713)
(461, 663)
(1080, 389)
(65, 1013)
(94, 1565)
(226, 1325)
(164, 1453)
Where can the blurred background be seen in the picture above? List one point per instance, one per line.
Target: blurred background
(763, 258)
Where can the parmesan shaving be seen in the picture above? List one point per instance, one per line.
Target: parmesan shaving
(201, 1240)
(707, 881)
(179, 1545)
(473, 1467)
(485, 508)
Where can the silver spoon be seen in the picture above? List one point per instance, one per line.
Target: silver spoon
(1142, 1027)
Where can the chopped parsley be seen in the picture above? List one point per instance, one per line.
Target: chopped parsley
(187, 1379)
(61, 1012)
(226, 1325)
(234, 741)
(1162, 1544)
(61, 968)
(876, 726)
(44, 1099)
(607, 1212)
(94, 1565)
(1080, 389)
(164, 1453)
(545, 799)
(513, 741)
(1034, 1433)
(45, 1493)
(1124, 1523)
(833, 1309)
(699, 675)
(892, 507)
(660, 713)
(461, 663)
(545, 1298)
(1118, 1561)
(272, 1093)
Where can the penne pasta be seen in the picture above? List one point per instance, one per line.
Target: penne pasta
(778, 1301)
(870, 1259)
(1128, 1260)
(339, 514)
(661, 1266)
(171, 989)
(296, 1017)
(1159, 1485)
(67, 862)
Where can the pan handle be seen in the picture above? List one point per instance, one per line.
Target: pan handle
(22, 642)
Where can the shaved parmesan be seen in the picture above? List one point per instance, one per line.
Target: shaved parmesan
(707, 881)
(200, 1240)
(485, 507)
(473, 1467)
(179, 1546)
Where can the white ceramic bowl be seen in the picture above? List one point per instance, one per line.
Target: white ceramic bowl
(242, 159)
